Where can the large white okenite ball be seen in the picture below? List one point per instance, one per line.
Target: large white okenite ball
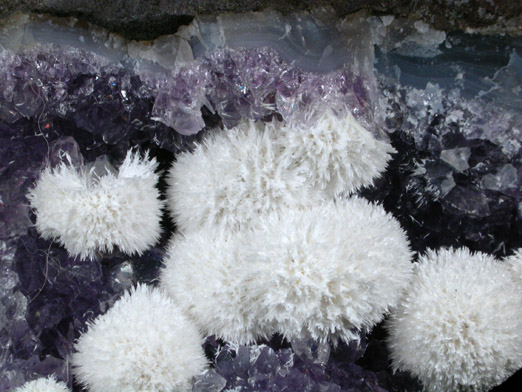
(459, 328)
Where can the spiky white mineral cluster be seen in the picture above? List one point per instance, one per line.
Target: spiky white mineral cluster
(256, 169)
(49, 384)
(204, 274)
(324, 272)
(143, 343)
(88, 212)
(339, 154)
(232, 178)
(459, 328)
(328, 271)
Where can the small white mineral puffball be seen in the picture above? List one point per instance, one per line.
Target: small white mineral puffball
(43, 385)
(89, 213)
(233, 177)
(203, 273)
(341, 155)
(143, 343)
(459, 327)
(514, 264)
(326, 272)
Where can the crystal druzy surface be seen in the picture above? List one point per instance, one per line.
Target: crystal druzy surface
(449, 103)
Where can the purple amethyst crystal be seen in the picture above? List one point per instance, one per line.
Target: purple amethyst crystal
(304, 366)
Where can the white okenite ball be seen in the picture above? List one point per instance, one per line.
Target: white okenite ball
(340, 155)
(49, 384)
(143, 343)
(459, 328)
(89, 213)
(233, 177)
(204, 274)
(258, 169)
(326, 272)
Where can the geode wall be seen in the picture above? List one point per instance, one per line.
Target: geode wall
(143, 19)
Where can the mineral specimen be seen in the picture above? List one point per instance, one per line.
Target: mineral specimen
(459, 326)
(143, 343)
(450, 103)
(234, 177)
(326, 272)
(93, 209)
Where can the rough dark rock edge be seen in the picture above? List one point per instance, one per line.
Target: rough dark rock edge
(147, 19)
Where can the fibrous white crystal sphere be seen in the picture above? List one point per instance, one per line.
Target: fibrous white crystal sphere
(143, 343)
(49, 384)
(459, 328)
(204, 274)
(327, 272)
(89, 213)
(340, 155)
(233, 177)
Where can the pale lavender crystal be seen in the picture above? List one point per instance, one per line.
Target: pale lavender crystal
(209, 381)
(507, 180)
(310, 351)
(255, 83)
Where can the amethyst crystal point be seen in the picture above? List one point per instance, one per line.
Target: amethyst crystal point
(65, 149)
(83, 95)
(310, 351)
(261, 64)
(209, 381)
(257, 83)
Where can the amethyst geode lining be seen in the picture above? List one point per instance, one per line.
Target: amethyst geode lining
(252, 67)
(446, 188)
(253, 83)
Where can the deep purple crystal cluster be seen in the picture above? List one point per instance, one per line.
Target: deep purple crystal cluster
(454, 181)
(301, 366)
